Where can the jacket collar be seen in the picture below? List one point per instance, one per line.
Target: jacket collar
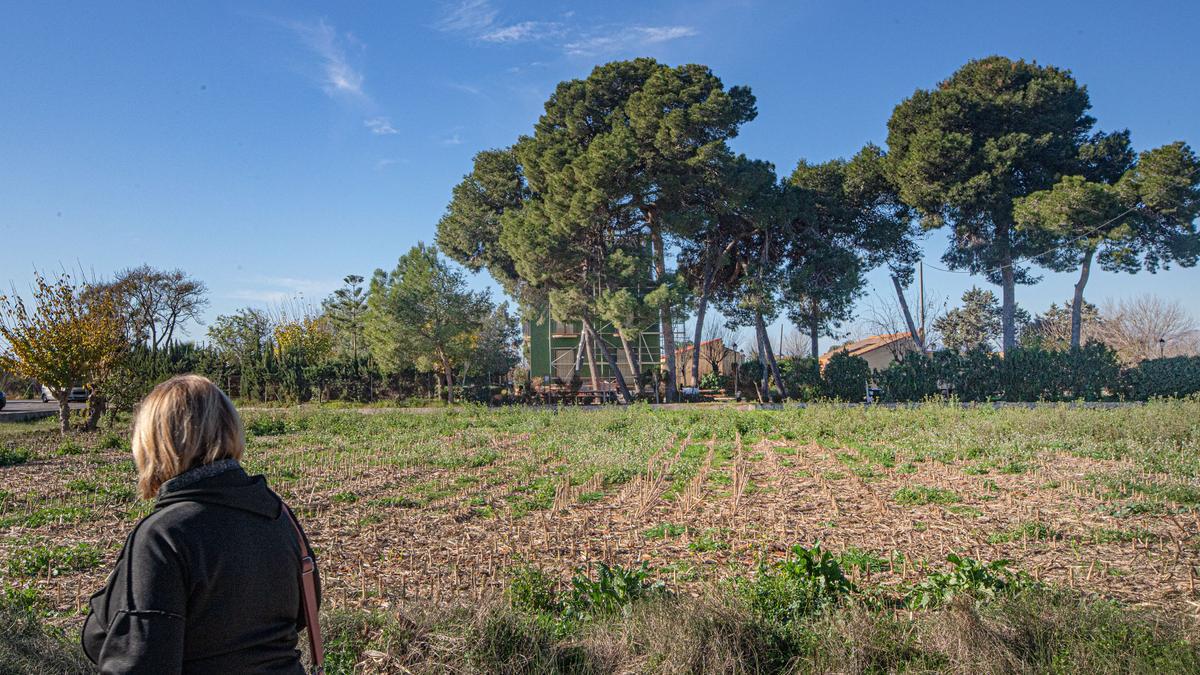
(222, 483)
(197, 474)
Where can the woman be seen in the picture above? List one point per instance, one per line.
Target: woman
(209, 581)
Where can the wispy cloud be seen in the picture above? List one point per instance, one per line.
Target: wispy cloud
(466, 88)
(468, 16)
(338, 76)
(480, 21)
(452, 139)
(618, 38)
(380, 126)
(276, 290)
(523, 32)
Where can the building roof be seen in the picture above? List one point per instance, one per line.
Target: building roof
(866, 345)
(687, 348)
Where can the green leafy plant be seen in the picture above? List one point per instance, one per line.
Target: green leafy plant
(344, 498)
(791, 589)
(708, 541)
(266, 426)
(111, 441)
(69, 447)
(15, 456)
(613, 591)
(917, 495)
(968, 577)
(531, 589)
(868, 562)
(38, 560)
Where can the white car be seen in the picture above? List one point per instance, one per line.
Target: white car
(76, 394)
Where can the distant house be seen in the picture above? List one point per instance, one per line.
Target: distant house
(714, 356)
(879, 351)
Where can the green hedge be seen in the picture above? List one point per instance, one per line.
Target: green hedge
(1090, 374)
(846, 377)
(1174, 376)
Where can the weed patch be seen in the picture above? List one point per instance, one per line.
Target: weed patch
(919, 495)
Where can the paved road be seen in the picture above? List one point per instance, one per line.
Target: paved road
(18, 411)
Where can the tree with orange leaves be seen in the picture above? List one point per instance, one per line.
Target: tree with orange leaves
(68, 338)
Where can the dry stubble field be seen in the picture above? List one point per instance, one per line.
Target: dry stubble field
(438, 507)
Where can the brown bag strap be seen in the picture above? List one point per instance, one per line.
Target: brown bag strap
(308, 596)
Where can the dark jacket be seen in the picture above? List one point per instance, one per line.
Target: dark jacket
(207, 583)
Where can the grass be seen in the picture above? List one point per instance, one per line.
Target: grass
(919, 495)
(47, 515)
(664, 530)
(52, 560)
(1035, 631)
(1023, 532)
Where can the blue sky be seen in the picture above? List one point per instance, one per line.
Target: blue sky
(270, 148)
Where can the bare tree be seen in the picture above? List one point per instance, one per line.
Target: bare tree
(157, 303)
(1147, 327)
(885, 316)
(710, 353)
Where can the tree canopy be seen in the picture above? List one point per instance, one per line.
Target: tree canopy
(1134, 214)
(66, 339)
(961, 153)
(422, 313)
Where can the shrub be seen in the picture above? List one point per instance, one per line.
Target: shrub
(266, 426)
(1174, 376)
(1023, 374)
(802, 377)
(14, 456)
(911, 378)
(846, 377)
(784, 593)
(111, 441)
(69, 447)
(711, 380)
(969, 577)
(532, 590)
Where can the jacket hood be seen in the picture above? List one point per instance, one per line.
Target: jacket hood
(231, 488)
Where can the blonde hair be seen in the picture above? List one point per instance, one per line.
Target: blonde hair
(183, 423)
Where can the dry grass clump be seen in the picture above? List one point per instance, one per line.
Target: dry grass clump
(1035, 632)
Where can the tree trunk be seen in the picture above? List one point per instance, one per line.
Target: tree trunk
(611, 357)
(701, 309)
(96, 405)
(814, 335)
(760, 385)
(1009, 306)
(664, 310)
(64, 411)
(635, 364)
(1085, 269)
(774, 365)
(912, 328)
(449, 377)
(593, 376)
